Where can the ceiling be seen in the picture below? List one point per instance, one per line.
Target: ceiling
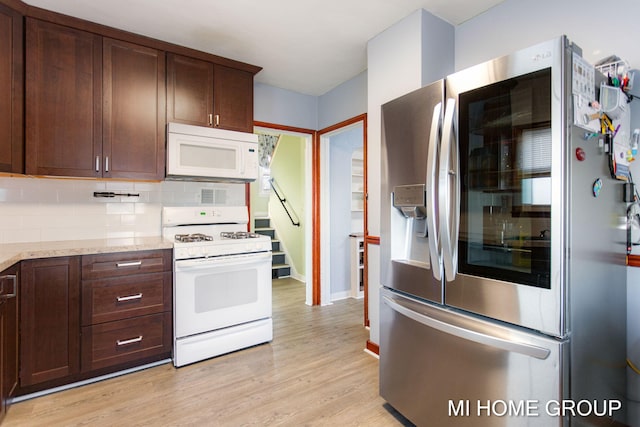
(307, 46)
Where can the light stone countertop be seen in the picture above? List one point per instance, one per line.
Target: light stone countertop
(12, 253)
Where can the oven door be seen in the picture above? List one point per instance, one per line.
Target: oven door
(215, 293)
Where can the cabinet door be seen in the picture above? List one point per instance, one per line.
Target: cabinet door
(63, 100)
(189, 91)
(8, 336)
(134, 111)
(11, 91)
(49, 319)
(233, 99)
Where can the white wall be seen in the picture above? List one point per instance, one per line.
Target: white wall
(516, 24)
(284, 107)
(288, 170)
(396, 65)
(345, 101)
(341, 148)
(438, 46)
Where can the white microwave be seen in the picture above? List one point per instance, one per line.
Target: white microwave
(198, 153)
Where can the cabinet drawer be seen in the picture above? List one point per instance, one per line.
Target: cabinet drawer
(124, 341)
(105, 300)
(125, 263)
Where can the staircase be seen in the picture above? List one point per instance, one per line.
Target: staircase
(279, 266)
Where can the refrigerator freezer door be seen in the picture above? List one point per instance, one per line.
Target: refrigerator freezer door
(409, 244)
(442, 368)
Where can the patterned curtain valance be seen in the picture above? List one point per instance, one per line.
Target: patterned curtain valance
(266, 146)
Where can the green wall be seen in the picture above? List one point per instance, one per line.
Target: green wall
(288, 170)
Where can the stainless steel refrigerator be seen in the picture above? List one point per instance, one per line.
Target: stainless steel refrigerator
(502, 255)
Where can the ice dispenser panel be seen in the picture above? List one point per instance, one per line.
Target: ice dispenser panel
(410, 200)
(409, 244)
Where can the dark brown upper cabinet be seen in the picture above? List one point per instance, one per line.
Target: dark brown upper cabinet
(95, 106)
(205, 94)
(233, 98)
(11, 91)
(63, 100)
(134, 111)
(189, 91)
(97, 99)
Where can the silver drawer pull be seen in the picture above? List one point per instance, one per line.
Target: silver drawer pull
(130, 341)
(130, 297)
(129, 264)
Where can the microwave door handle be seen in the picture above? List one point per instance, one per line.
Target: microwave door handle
(432, 222)
(449, 195)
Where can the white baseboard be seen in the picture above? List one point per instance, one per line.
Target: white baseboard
(335, 296)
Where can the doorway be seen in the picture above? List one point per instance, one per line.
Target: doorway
(343, 215)
(283, 194)
(342, 211)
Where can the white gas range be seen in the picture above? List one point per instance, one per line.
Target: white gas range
(222, 282)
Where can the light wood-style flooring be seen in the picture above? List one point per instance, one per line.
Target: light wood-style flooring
(313, 373)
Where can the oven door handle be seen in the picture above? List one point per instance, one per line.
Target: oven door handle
(246, 259)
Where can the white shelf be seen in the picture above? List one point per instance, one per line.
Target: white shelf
(357, 181)
(357, 266)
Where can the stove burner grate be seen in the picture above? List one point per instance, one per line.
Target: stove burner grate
(239, 235)
(195, 237)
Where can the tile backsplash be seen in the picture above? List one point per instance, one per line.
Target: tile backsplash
(45, 209)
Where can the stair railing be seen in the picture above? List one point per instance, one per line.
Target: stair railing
(283, 201)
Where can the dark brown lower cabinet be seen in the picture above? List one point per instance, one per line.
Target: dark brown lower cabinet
(8, 336)
(86, 316)
(49, 319)
(126, 308)
(123, 341)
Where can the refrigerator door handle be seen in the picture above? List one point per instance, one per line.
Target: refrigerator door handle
(432, 222)
(449, 195)
(469, 335)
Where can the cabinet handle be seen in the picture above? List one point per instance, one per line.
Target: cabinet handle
(129, 298)
(210, 119)
(217, 120)
(97, 163)
(129, 264)
(14, 279)
(129, 341)
(106, 164)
